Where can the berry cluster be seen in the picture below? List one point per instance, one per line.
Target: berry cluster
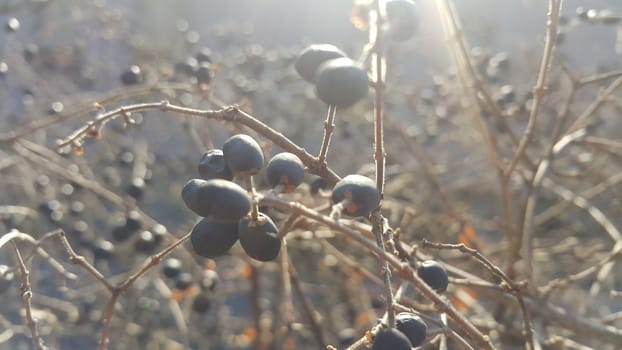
(410, 331)
(228, 211)
(184, 282)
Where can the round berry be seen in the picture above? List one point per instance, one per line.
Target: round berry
(211, 238)
(201, 303)
(285, 169)
(260, 239)
(390, 339)
(243, 155)
(184, 280)
(412, 326)
(132, 76)
(209, 279)
(361, 193)
(219, 199)
(346, 337)
(136, 188)
(312, 57)
(204, 73)
(133, 221)
(403, 19)
(212, 166)
(145, 243)
(434, 274)
(171, 267)
(341, 82)
(102, 250)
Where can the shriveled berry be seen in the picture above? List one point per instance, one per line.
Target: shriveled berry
(213, 166)
(361, 193)
(171, 267)
(341, 82)
(434, 274)
(201, 303)
(412, 326)
(390, 339)
(312, 57)
(243, 155)
(219, 199)
(403, 19)
(260, 239)
(184, 280)
(285, 169)
(211, 238)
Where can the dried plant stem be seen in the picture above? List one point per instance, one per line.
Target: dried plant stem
(307, 307)
(539, 90)
(517, 289)
(329, 127)
(378, 221)
(231, 114)
(404, 270)
(26, 298)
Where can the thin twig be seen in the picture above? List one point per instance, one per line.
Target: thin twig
(539, 90)
(404, 270)
(329, 126)
(231, 114)
(26, 298)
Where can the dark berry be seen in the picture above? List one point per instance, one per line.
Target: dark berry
(341, 82)
(390, 339)
(211, 238)
(346, 337)
(133, 221)
(285, 169)
(102, 250)
(212, 166)
(434, 274)
(403, 19)
(317, 185)
(50, 206)
(204, 73)
(183, 281)
(209, 279)
(136, 188)
(260, 239)
(243, 155)
(132, 76)
(159, 232)
(219, 199)
(4, 69)
(121, 233)
(312, 57)
(412, 326)
(146, 242)
(361, 193)
(187, 67)
(201, 303)
(31, 51)
(205, 55)
(171, 267)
